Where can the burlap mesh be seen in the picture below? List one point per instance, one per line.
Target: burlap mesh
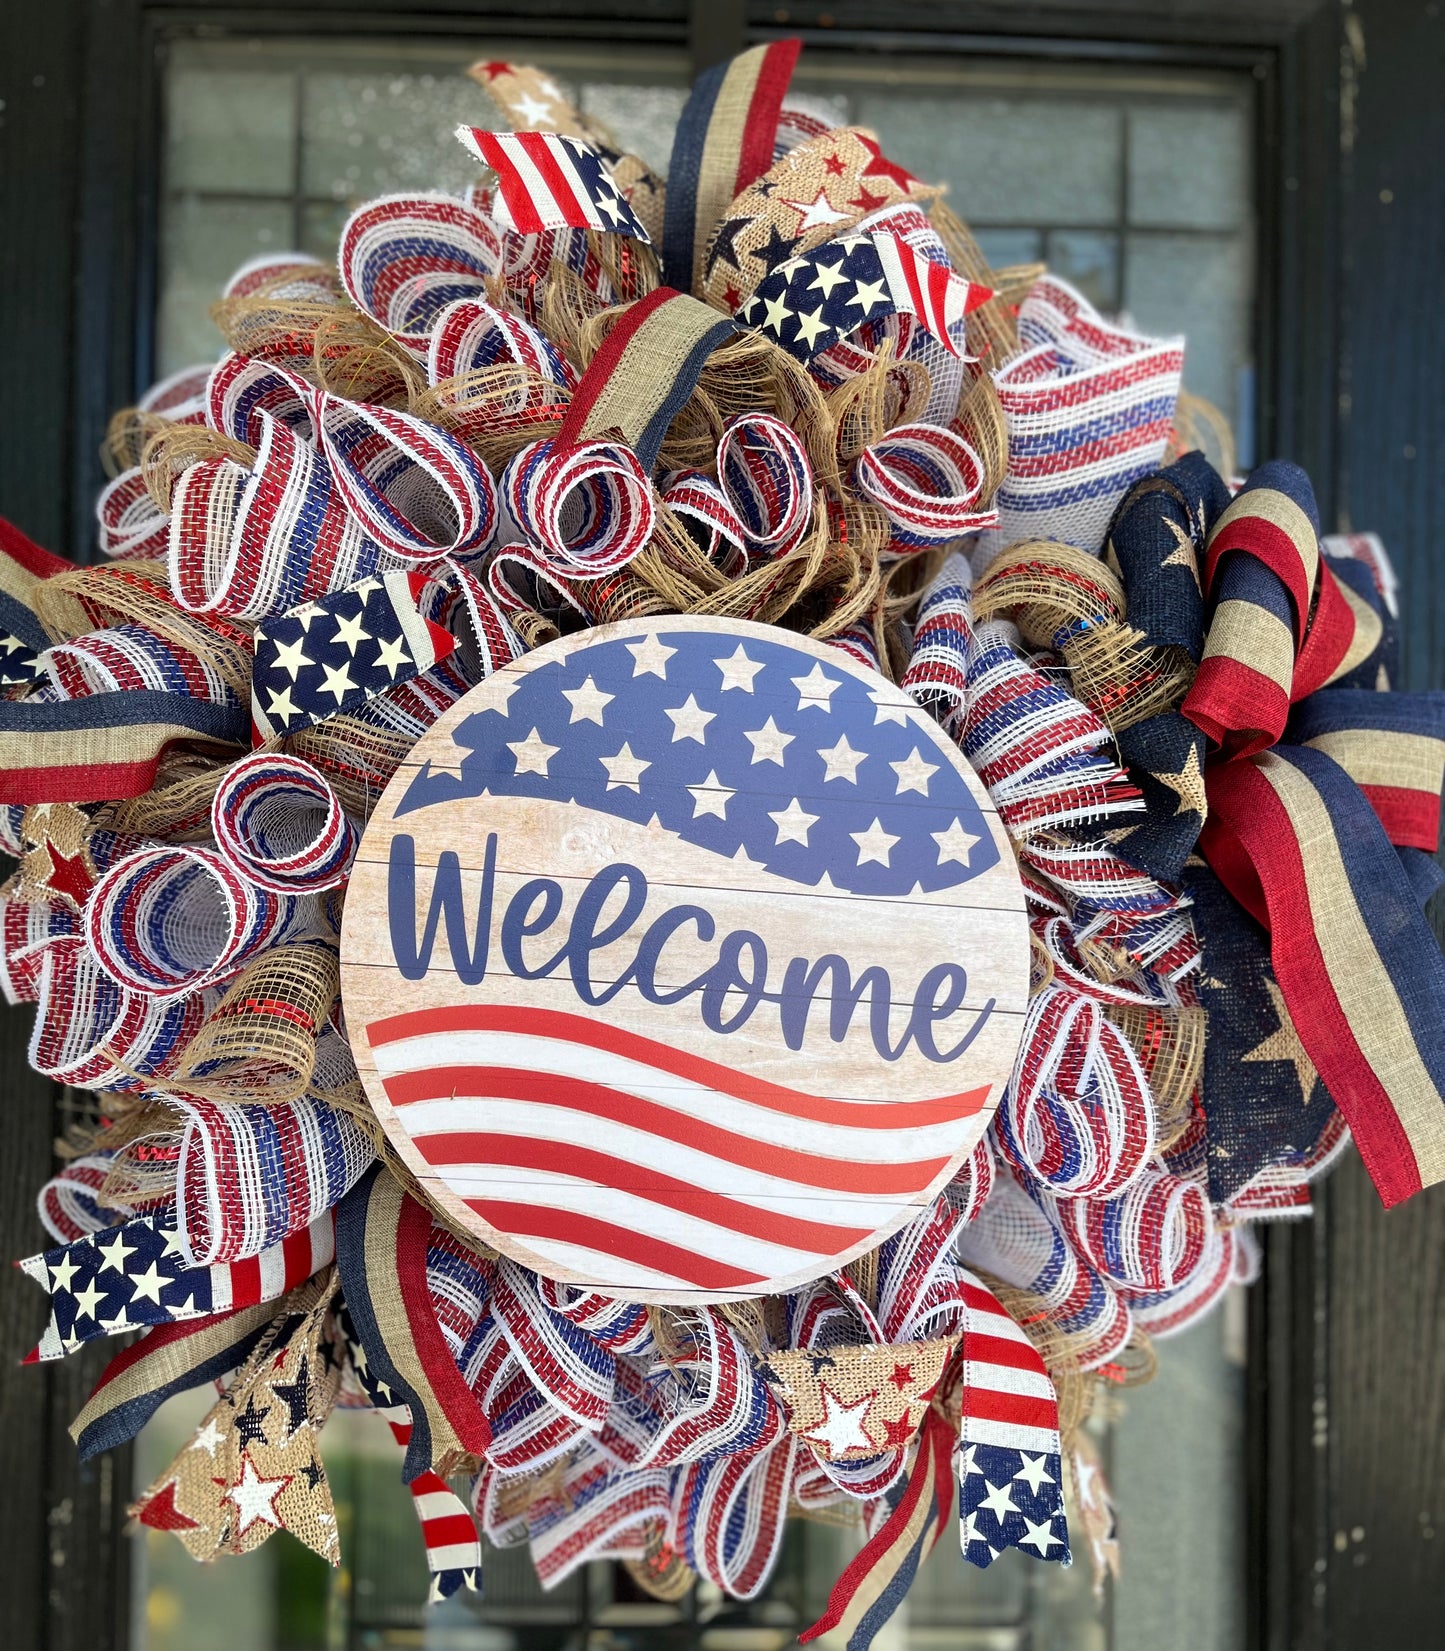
(177, 808)
(1065, 600)
(259, 1043)
(177, 448)
(1169, 1042)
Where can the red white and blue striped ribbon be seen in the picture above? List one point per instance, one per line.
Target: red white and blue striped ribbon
(130, 658)
(166, 921)
(589, 508)
(279, 823)
(927, 481)
(405, 258)
(764, 472)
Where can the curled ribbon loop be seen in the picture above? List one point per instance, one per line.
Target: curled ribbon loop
(167, 921)
(96, 1035)
(765, 474)
(126, 658)
(1167, 1312)
(710, 516)
(1077, 1114)
(131, 525)
(416, 491)
(404, 258)
(927, 481)
(590, 508)
(470, 337)
(250, 1176)
(1150, 1237)
(281, 825)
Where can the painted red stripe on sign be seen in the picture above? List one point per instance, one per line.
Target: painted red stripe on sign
(522, 1152)
(569, 1227)
(568, 1028)
(621, 1107)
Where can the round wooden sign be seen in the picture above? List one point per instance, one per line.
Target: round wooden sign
(685, 959)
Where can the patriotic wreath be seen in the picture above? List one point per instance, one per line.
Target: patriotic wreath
(783, 387)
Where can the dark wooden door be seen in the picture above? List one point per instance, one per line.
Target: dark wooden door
(1347, 1444)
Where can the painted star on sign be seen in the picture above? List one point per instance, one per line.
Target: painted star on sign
(711, 797)
(841, 761)
(532, 754)
(889, 706)
(842, 1425)
(793, 822)
(624, 770)
(955, 843)
(588, 702)
(913, 773)
(815, 689)
(874, 844)
(737, 670)
(650, 656)
(689, 721)
(768, 742)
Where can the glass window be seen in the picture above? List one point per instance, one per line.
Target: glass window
(1135, 185)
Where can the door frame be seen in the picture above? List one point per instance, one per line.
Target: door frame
(79, 190)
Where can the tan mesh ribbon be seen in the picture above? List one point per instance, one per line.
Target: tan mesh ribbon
(259, 1043)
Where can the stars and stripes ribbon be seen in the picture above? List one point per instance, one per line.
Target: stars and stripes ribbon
(1296, 841)
(547, 181)
(405, 258)
(645, 371)
(1089, 409)
(811, 302)
(168, 920)
(816, 192)
(381, 1248)
(136, 1274)
(723, 142)
(278, 821)
(339, 650)
(1011, 1492)
(448, 1532)
(1012, 1239)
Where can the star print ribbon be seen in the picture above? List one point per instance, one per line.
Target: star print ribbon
(280, 824)
(164, 1360)
(546, 181)
(811, 302)
(1296, 841)
(645, 371)
(815, 193)
(381, 1250)
(723, 142)
(1011, 1492)
(339, 650)
(136, 1274)
(405, 258)
(1089, 410)
(874, 1584)
(253, 1466)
